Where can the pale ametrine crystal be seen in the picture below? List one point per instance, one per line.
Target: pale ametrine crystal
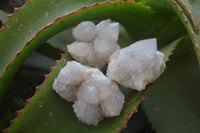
(116, 100)
(87, 113)
(108, 30)
(69, 77)
(97, 51)
(104, 47)
(137, 65)
(102, 24)
(145, 48)
(99, 90)
(95, 95)
(82, 52)
(85, 31)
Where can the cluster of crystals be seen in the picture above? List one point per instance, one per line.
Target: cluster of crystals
(137, 65)
(94, 44)
(94, 95)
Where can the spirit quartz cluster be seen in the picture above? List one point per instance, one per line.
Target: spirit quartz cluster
(96, 96)
(94, 44)
(137, 65)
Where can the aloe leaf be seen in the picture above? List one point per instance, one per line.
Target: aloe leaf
(161, 6)
(50, 51)
(170, 48)
(148, 24)
(50, 109)
(61, 39)
(22, 27)
(44, 57)
(39, 61)
(138, 123)
(9, 111)
(172, 104)
(177, 47)
(189, 15)
(142, 23)
(22, 87)
(46, 110)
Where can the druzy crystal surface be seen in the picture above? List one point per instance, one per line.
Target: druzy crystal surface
(137, 65)
(94, 95)
(94, 43)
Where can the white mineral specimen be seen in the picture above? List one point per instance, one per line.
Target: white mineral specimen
(94, 44)
(82, 52)
(94, 95)
(69, 77)
(137, 65)
(101, 91)
(88, 113)
(108, 30)
(85, 31)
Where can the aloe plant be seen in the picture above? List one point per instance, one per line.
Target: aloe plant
(43, 28)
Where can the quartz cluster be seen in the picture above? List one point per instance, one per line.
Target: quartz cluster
(137, 65)
(94, 43)
(94, 95)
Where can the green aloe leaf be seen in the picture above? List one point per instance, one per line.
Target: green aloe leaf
(172, 105)
(189, 13)
(23, 26)
(161, 6)
(39, 61)
(140, 21)
(21, 88)
(50, 51)
(47, 112)
(182, 45)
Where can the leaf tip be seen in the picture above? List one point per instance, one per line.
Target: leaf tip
(29, 99)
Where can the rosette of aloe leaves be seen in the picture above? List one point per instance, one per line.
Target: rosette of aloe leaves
(32, 53)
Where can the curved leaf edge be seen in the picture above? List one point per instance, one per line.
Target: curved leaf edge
(37, 89)
(4, 80)
(188, 12)
(193, 30)
(170, 49)
(141, 95)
